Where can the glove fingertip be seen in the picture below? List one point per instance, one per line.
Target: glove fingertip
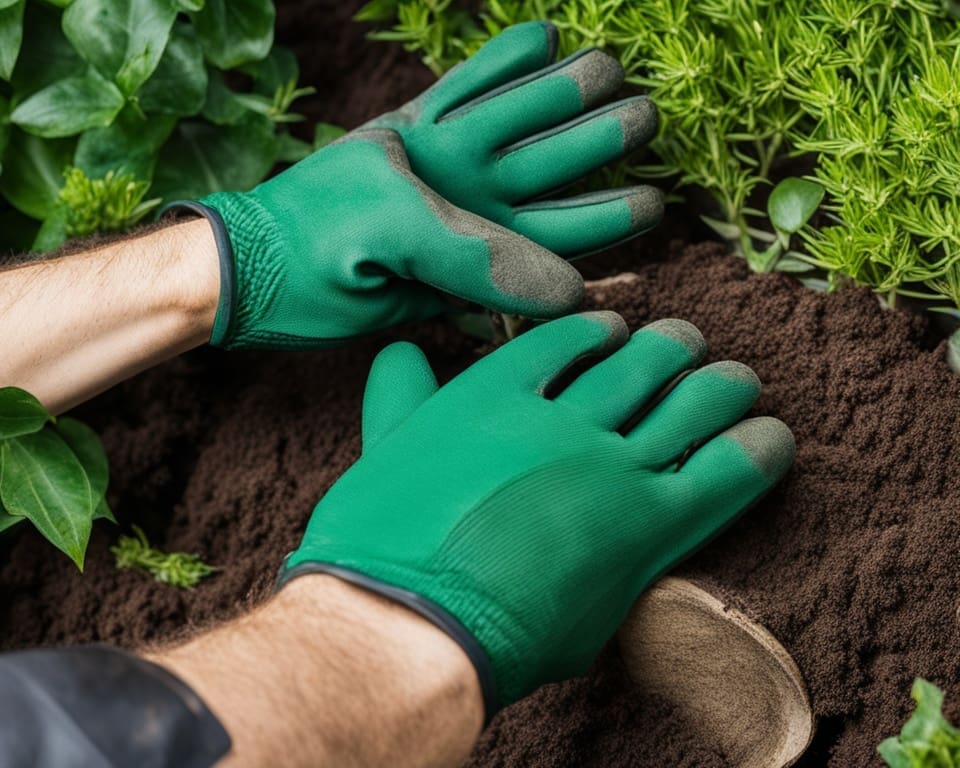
(768, 442)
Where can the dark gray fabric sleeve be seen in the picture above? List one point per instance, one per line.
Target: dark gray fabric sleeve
(100, 707)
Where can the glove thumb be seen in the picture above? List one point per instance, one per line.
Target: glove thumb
(400, 381)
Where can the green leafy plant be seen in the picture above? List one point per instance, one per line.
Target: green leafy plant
(179, 569)
(53, 472)
(927, 739)
(110, 107)
(861, 97)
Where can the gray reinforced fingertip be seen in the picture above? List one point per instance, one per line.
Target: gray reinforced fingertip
(639, 119)
(597, 74)
(682, 332)
(734, 371)
(522, 269)
(646, 208)
(616, 325)
(768, 442)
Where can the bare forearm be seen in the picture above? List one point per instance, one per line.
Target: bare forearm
(328, 674)
(76, 325)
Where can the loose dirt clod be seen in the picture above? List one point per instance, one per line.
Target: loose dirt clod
(735, 684)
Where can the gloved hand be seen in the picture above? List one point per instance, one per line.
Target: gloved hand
(349, 241)
(508, 126)
(520, 519)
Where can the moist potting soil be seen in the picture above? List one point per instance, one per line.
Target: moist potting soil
(853, 562)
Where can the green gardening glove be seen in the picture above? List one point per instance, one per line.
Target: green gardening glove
(509, 126)
(349, 241)
(524, 520)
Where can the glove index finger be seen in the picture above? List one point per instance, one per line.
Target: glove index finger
(516, 52)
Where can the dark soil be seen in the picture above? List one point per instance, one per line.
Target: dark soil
(853, 563)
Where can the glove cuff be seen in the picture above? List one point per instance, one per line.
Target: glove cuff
(429, 610)
(228, 277)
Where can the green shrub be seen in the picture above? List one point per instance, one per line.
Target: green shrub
(862, 94)
(110, 107)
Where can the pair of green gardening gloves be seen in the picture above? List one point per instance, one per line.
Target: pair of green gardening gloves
(520, 513)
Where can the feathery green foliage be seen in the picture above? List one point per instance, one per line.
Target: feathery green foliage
(179, 569)
(863, 96)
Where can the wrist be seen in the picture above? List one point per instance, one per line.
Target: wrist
(192, 274)
(427, 669)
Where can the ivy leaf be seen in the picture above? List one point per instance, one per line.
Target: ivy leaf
(123, 39)
(234, 32)
(792, 203)
(20, 413)
(33, 173)
(88, 449)
(70, 106)
(130, 146)
(201, 158)
(11, 36)
(179, 84)
(43, 481)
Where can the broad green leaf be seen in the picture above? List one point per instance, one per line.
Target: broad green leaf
(33, 172)
(222, 105)
(103, 512)
(130, 146)
(927, 739)
(235, 32)
(201, 158)
(792, 203)
(4, 127)
(20, 413)
(8, 520)
(179, 84)
(326, 133)
(53, 231)
(8, 3)
(70, 106)
(43, 481)
(123, 39)
(88, 449)
(11, 36)
(190, 6)
(275, 71)
(49, 57)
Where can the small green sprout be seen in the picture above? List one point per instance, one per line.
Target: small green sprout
(179, 569)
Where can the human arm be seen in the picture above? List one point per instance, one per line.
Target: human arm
(327, 674)
(75, 325)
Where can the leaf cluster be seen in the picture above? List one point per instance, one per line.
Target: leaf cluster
(110, 107)
(53, 472)
(179, 569)
(861, 95)
(927, 740)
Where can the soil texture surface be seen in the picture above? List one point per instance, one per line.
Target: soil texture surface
(853, 562)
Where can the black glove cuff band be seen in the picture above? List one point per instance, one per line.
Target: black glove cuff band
(425, 608)
(228, 278)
